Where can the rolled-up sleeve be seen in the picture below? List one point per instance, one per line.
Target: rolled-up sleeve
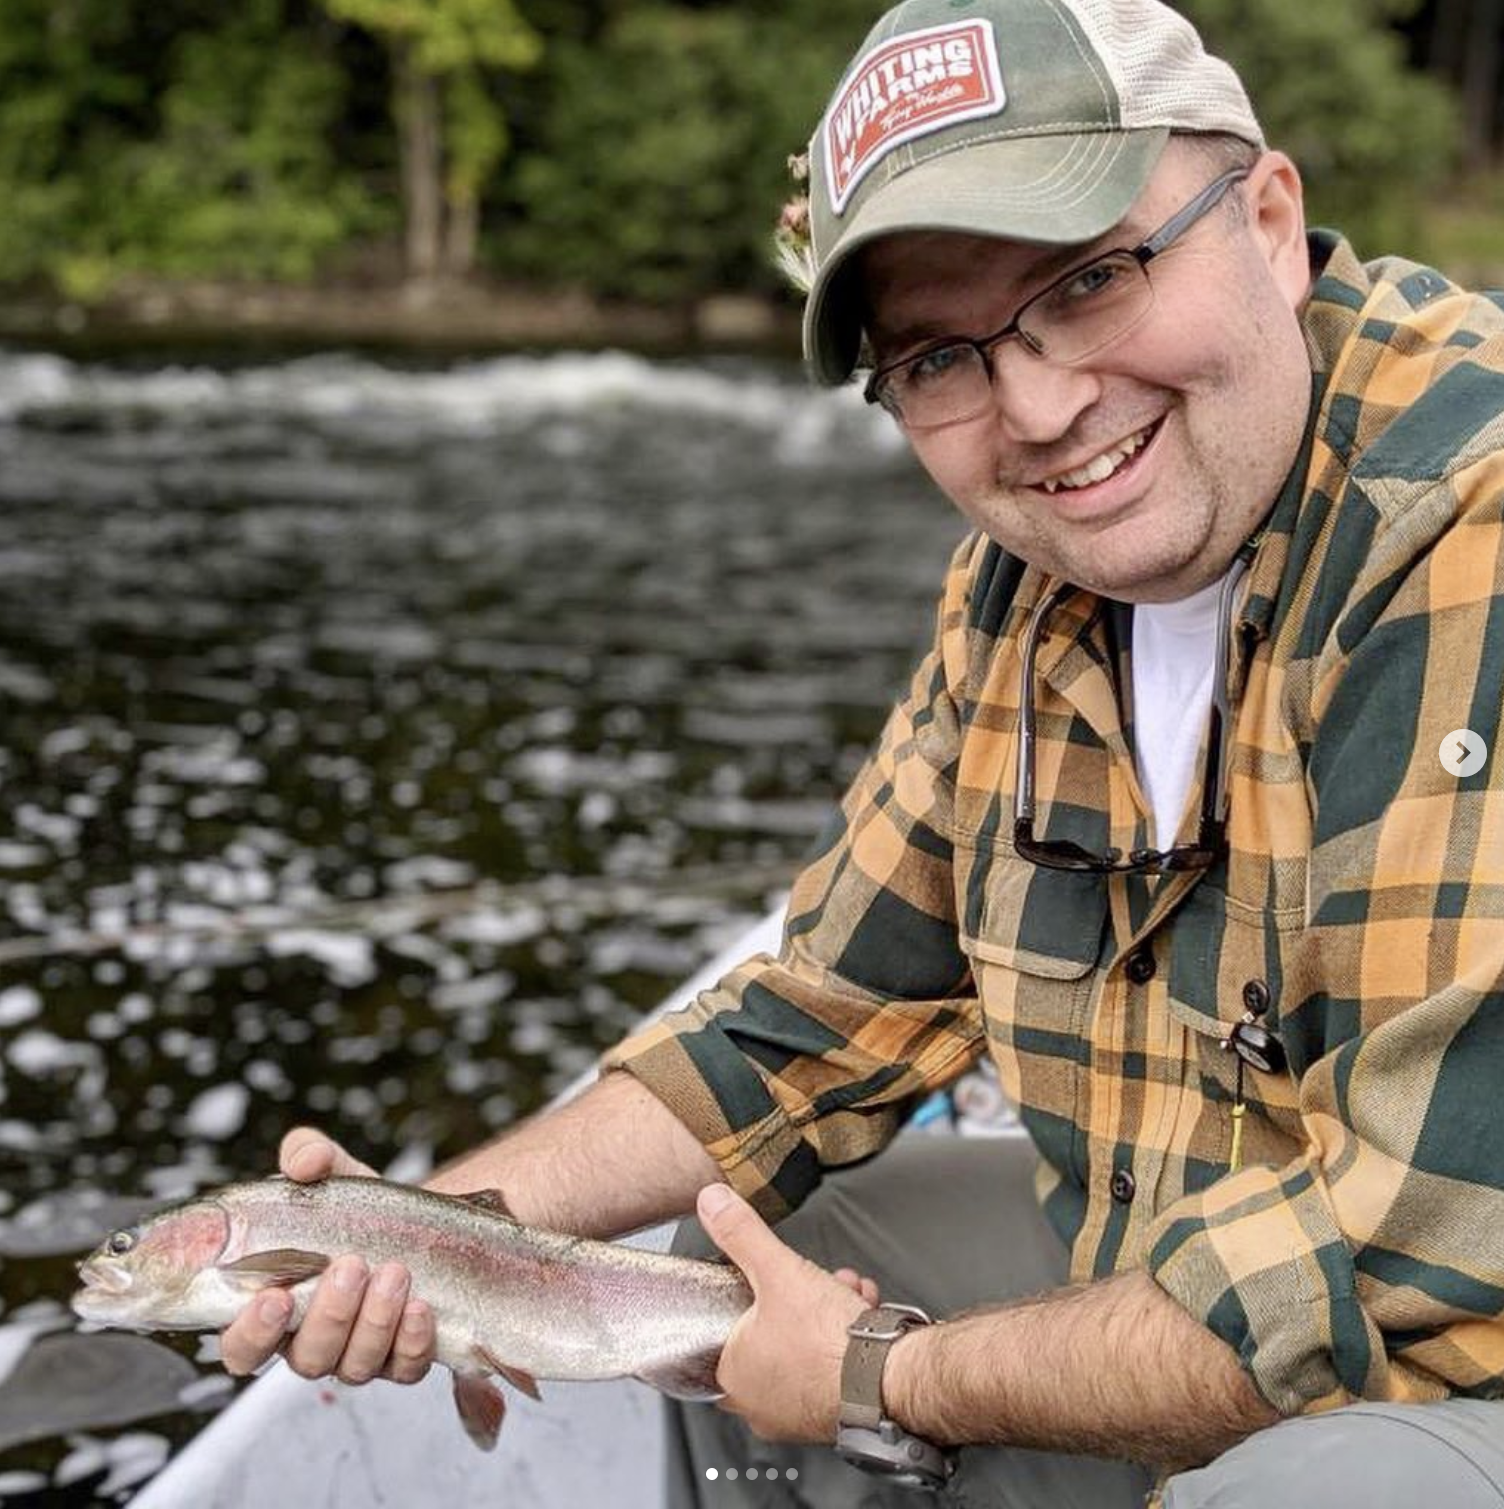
(811, 1060)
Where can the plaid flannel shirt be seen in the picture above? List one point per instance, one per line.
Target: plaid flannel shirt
(1359, 1250)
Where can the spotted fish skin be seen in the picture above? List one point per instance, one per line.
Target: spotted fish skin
(508, 1299)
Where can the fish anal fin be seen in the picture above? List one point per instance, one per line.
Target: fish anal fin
(525, 1382)
(488, 1199)
(279, 1267)
(481, 1407)
(687, 1377)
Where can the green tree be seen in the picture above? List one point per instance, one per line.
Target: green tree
(451, 135)
(1331, 85)
(240, 177)
(65, 90)
(656, 166)
(164, 138)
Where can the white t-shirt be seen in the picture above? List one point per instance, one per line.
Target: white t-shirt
(1175, 654)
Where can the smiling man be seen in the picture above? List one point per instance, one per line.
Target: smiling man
(1168, 825)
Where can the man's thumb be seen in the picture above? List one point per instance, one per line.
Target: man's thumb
(738, 1230)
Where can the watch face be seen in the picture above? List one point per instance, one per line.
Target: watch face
(897, 1472)
(893, 1460)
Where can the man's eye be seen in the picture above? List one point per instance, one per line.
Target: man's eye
(933, 366)
(1091, 282)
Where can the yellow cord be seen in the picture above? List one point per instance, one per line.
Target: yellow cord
(1237, 1137)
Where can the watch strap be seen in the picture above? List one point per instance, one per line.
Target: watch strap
(871, 1335)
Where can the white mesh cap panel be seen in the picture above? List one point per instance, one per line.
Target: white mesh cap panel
(1163, 75)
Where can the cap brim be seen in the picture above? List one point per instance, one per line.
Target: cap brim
(1048, 190)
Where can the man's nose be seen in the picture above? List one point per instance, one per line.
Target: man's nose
(1037, 400)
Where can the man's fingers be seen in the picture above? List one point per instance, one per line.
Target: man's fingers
(307, 1155)
(256, 1334)
(359, 1326)
(376, 1325)
(319, 1343)
(742, 1234)
(854, 1281)
(413, 1350)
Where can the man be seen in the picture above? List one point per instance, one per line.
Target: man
(1186, 820)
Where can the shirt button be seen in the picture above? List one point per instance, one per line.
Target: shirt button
(1122, 1186)
(1140, 967)
(1256, 997)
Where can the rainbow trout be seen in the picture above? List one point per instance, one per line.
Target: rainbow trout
(508, 1299)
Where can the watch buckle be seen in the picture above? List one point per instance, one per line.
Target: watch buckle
(905, 1318)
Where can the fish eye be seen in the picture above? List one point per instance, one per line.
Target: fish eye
(121, 1242)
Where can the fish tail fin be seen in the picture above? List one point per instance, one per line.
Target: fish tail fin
(481, 1407)
(691, 1376)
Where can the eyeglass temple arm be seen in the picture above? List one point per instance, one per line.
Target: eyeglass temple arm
(1023, 803)
(1216, 803)
(1183, 219)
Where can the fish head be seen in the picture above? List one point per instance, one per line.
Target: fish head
(159, 1275)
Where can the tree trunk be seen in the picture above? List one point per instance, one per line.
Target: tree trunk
(1447, 47)
(421, 153)
(461, 235)
(1480, 81)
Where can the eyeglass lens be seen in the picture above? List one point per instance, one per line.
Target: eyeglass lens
(1077, 315)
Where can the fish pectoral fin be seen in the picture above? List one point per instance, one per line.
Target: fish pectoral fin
(515, 1376)
(481, 1406)
(279, 1267)
(488, 1199)
(688, 1377)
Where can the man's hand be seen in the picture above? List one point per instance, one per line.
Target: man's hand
(781, 1367)
(360, 1324)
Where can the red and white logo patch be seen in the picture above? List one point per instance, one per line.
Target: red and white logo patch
(915, 84)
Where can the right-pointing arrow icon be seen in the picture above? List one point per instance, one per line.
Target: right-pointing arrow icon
(1462, 752)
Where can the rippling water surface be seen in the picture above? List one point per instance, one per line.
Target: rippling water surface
(376, 745)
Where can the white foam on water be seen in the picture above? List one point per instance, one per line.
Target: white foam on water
(463, 397)
(133, 1458)
(19, 1004)
(349, 958)
(218, 1113)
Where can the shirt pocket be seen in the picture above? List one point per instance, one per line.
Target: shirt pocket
(1225, 960)
(1041, 922)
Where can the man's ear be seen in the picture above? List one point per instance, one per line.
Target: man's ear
(1277, 216)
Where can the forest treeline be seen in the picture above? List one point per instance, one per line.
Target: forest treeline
(633, 148)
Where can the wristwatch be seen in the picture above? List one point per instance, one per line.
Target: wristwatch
(866, 1437)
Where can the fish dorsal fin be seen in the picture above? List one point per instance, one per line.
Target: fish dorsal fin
(481, 1408)
(488, 1199)
(525, 1382)
(279, 1267)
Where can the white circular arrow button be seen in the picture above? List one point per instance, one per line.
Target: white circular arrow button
(1462, 752)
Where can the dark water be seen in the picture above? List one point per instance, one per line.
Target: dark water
(376, 745)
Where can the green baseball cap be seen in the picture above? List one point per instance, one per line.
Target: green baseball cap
(1031, 120)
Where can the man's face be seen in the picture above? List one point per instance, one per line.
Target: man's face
(1200, 407)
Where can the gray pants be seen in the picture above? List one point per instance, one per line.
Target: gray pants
(898, 1219)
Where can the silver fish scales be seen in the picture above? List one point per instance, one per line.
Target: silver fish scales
(508, 1299)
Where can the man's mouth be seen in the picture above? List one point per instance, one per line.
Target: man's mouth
(1103, 465)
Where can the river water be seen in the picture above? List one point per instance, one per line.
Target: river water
(377, 743)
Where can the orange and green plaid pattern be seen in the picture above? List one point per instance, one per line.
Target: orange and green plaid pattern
(1359, 1250)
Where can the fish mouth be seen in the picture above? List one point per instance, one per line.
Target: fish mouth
(101, 1277)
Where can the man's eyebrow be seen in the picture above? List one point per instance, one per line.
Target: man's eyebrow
(1053, 262)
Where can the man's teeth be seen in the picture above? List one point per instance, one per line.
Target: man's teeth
(1100, 468)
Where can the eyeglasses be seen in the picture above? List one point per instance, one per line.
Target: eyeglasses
(1211, 832)
(1078, 314)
